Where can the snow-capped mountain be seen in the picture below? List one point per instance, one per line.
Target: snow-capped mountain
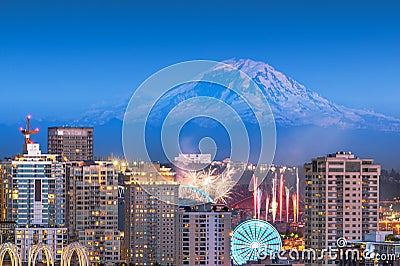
(292, 104)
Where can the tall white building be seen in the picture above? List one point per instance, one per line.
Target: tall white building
(36, 198)
(341, 199)
(38, 189)
(203, 236)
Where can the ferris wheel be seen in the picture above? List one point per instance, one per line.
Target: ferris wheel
(254, 239)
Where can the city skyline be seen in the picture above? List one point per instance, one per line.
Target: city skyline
(157, 232)
(169, 133)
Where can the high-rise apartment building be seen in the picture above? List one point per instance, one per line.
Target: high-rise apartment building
(73, 143)
(5, 176)
(341, 199)
(7, 226)
(36, 193)
(150, 206)
(203, 235)
(93, 209)
(37, 189)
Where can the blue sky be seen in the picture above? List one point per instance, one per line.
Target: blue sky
(59, 58)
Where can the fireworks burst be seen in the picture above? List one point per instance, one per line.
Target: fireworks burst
(287, 203)
(274, 204)
(266, 208)
(217, 186)
(295, 208)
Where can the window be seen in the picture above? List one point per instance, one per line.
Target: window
(38, 190)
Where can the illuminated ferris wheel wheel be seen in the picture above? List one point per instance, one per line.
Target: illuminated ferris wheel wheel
(254, 239)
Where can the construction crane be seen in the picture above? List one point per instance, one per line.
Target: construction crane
(27, 131)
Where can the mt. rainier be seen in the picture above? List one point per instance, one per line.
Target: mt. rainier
(293, 104)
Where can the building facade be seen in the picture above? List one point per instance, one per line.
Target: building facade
(192, 158)
(7, 227)
(202, 236)
(73, 143)
(341, 200)
(93, 209)
(150, 208)
(36, 200)
(5, 177)
(54, 237)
